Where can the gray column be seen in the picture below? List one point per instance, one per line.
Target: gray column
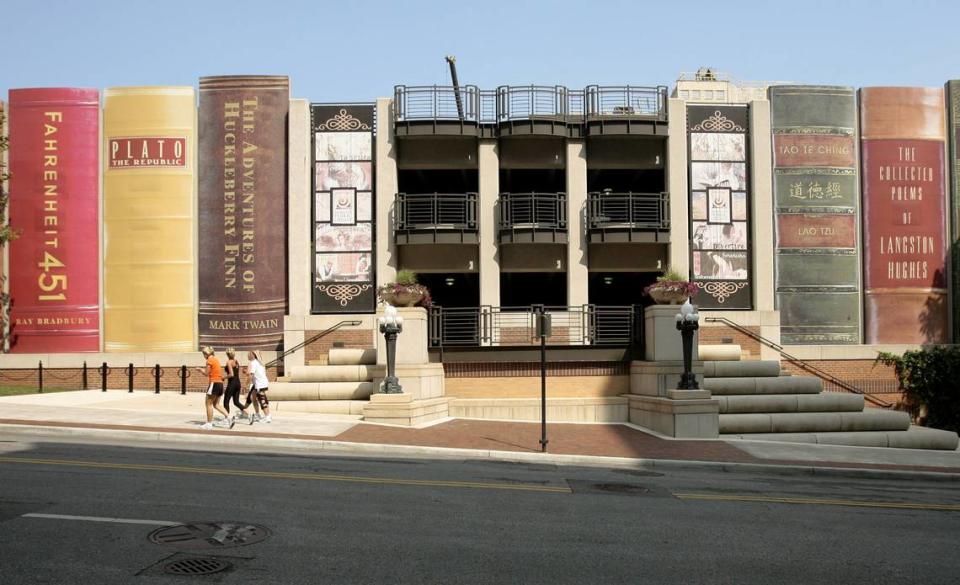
(677, 163)
(386, 192)
(488, 160)
(577, 261)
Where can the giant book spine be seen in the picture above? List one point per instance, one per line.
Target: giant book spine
(953, 136)
(904, 215)
(817, 202)
(54, 203)
(149, 185)
(243, 211)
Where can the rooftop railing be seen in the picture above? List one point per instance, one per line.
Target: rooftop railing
(436, 102)
(627, 100)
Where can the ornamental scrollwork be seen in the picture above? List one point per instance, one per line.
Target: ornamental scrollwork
(343, 122)
(717, 123)
(722, 290)
(343, 293)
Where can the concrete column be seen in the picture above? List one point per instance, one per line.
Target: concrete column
(761, 181)
(299, 196)
(386, 192)
(577, 261)
(488, 161)
(677, 163)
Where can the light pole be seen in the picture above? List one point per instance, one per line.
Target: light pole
(687, 322)
(391, 324)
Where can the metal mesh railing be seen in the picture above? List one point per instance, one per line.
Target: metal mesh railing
(533, 210)
(436, 102)
(638, 211)
(532, 101)
(585, 325)
(627, 100)
(431, 211)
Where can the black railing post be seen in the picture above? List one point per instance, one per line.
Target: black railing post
(130, 378)
(103, 377)
(40, 377)
(84, 375)
(156, 379)
(183, 380)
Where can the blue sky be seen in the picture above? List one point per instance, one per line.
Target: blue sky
(357, 50)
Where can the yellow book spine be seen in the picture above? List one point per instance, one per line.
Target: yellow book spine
(150, 223)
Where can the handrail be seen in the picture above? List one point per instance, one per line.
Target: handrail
(808, 367)
(536, 209)
(299, 346)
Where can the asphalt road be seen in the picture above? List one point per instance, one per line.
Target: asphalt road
(369, 520)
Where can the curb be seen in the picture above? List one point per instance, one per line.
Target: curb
(446, 453)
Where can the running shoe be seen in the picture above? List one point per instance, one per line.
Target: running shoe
(207, 426)
(254, 418)
(267, 419)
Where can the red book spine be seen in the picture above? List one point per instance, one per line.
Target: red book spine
(904, 210)
(54, 188)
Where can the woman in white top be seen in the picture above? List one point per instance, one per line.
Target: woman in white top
(257, 375)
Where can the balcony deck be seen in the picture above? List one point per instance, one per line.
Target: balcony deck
(435, 218)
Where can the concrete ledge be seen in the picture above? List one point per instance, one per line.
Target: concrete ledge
(338, 356)
(725, 352)
(333, 373)
(404, 412)
(284, 391)
(340, 407)
(749, 386)
(747, 369)
(770, 403)
(814, 422)
(912, 438)
(696, 418)
(599, 409)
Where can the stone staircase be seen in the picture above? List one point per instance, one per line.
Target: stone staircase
(342, 386)
(758, 403)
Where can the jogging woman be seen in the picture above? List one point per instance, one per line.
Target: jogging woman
(258, 388)
(214, 390)
(233, 384)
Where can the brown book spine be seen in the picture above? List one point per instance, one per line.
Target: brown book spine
(905, 251)
(243, 211)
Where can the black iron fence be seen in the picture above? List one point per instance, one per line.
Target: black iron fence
(431, 211)
(626, 100)
(519, 102)
(532, 210)
(635, 211)
(585, 325)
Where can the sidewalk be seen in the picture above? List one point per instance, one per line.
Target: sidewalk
(175, 417)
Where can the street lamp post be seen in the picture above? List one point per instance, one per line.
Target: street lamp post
(391, 324)
(688, 322)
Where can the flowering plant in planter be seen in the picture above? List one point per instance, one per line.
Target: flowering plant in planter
(405, 291)
(671, 289)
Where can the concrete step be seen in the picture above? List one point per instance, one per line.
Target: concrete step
(814, 422)
(912, 438)
(769, 403)
(725, 352)
(749, 369)
(352, 357)
(342, 373)
(773, 385)
(286, 391)
(346, 409)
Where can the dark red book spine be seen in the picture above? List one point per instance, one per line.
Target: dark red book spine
(54, 202)
(904, 211)
(243, 211)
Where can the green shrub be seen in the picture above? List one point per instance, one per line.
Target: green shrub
(930, 381)
(671, 275)
(406, 277)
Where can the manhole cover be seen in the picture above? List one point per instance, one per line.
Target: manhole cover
(207, 535)
(197, 566)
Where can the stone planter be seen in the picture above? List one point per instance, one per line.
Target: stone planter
(404, 298)
(666, 296)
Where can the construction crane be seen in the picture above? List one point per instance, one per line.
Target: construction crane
(452, 61)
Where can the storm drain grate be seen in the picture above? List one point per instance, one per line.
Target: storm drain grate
(196, 566)
(209, 535)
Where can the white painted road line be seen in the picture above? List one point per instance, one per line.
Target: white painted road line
(101, 519)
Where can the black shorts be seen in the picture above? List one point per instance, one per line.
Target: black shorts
(215, 389)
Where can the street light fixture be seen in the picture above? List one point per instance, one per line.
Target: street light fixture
(391, 324)
(688, 321)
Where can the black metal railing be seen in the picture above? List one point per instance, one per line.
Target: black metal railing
(436, 211)
(632, 211)
(516, 102)
(827, 377)
(436, 102)
(523, 102)
(627, 100)
(536, 211)
(584, 325)
(279, 359)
